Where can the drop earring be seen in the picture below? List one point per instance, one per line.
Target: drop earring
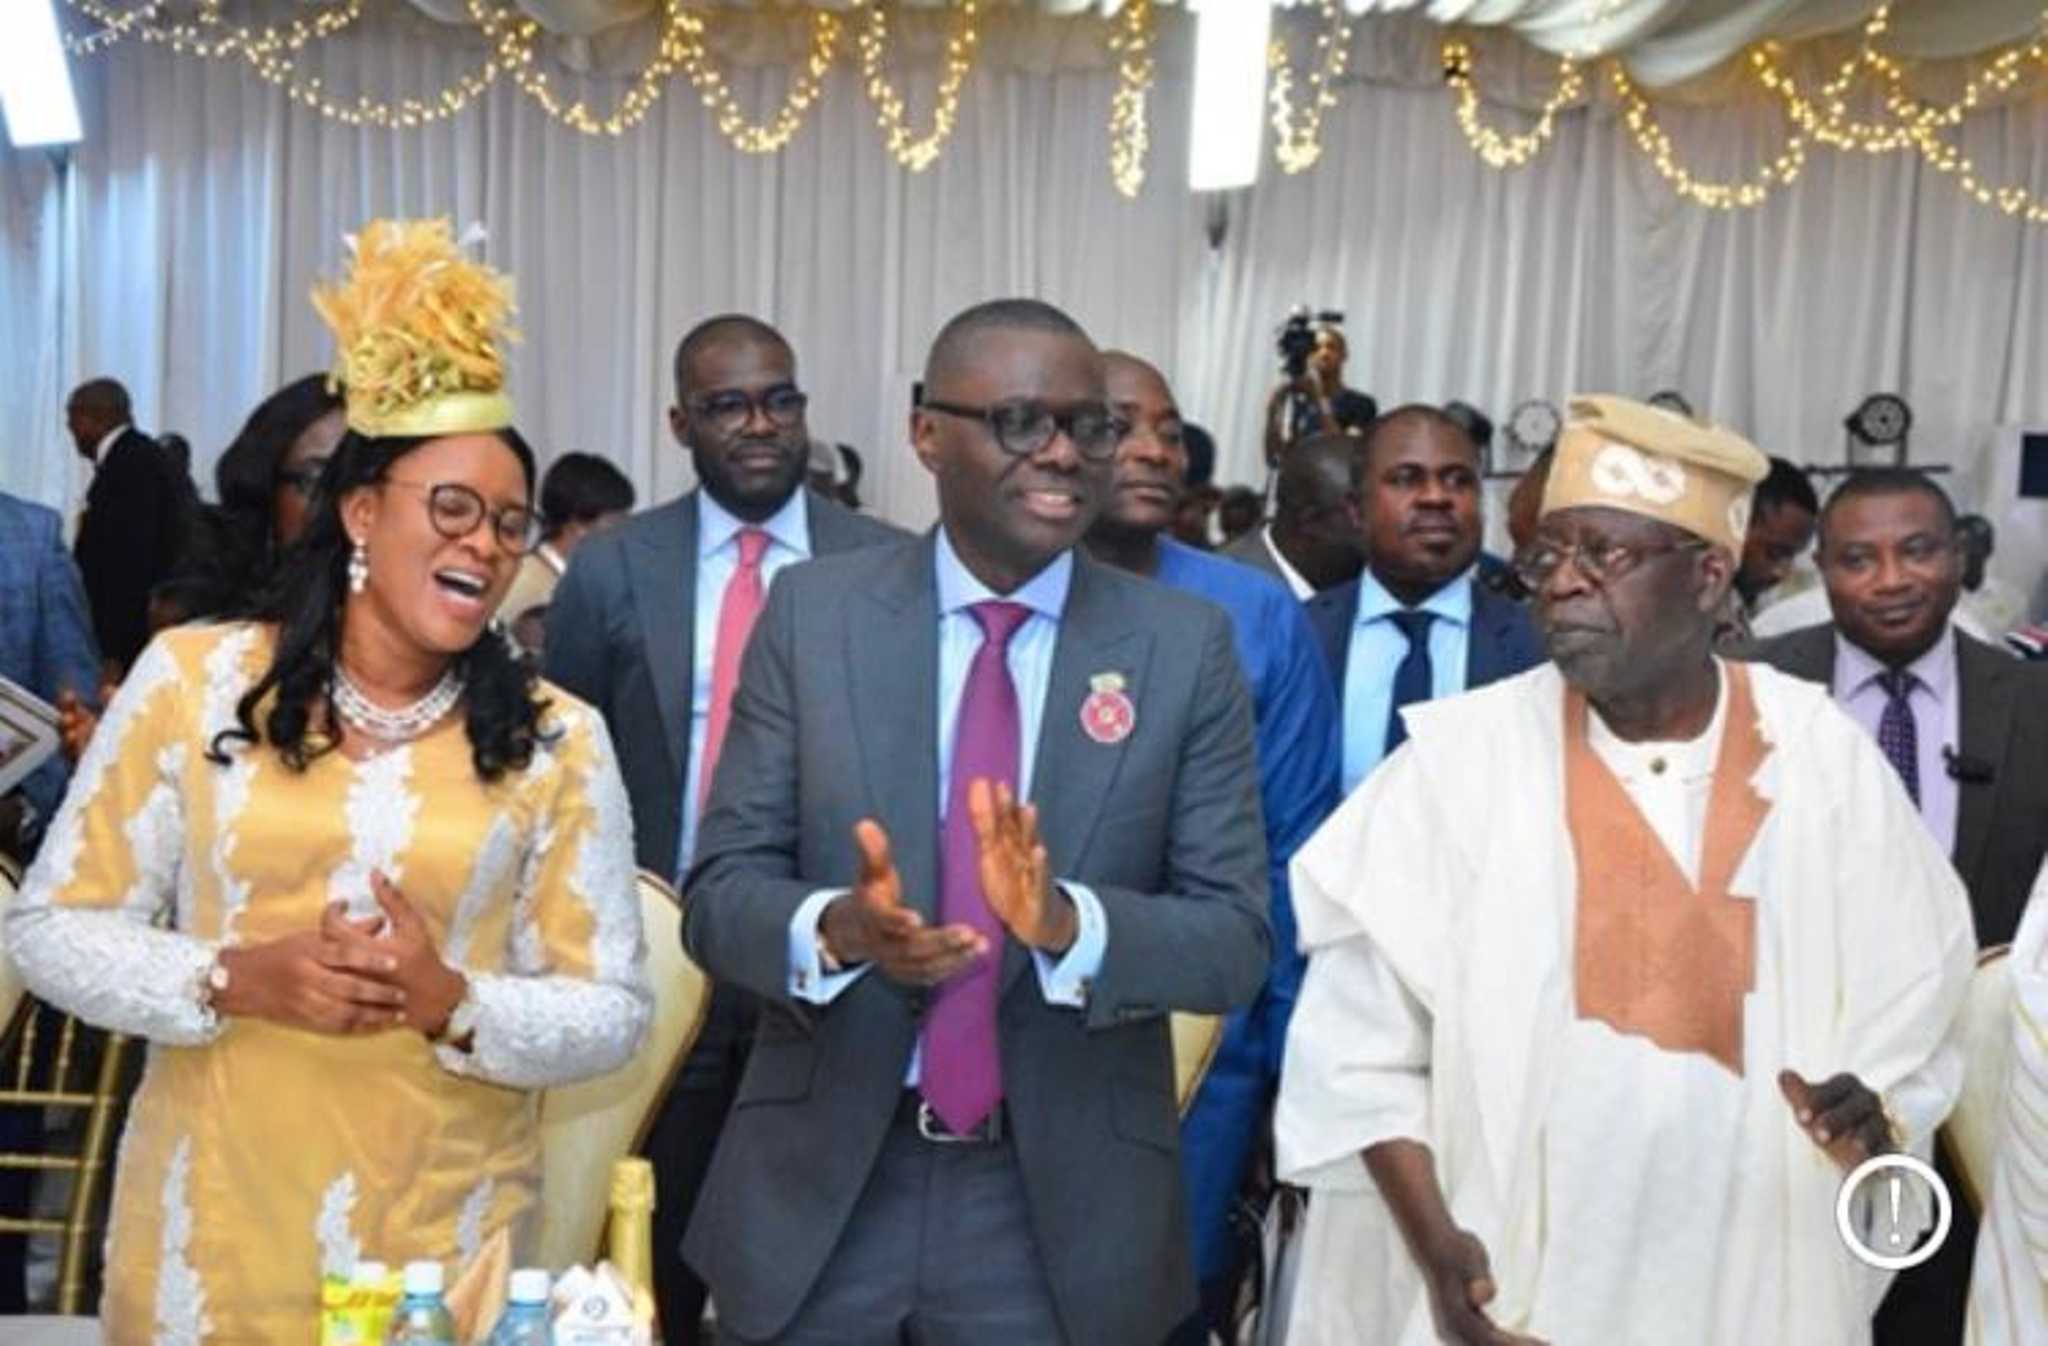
(358, 568)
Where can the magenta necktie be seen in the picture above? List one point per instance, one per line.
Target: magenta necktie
(962, 1074)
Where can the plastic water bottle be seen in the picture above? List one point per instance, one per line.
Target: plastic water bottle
(422, 1319)
(525, 1322)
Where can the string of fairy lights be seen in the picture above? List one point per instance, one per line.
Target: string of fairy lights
(1822, 115)
(1825, 117)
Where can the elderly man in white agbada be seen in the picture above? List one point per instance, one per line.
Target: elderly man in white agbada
(1618, 967)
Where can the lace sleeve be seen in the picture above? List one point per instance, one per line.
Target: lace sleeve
(82, 932)
(575, 1001)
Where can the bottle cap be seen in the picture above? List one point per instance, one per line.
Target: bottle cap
(633, 1185)
(369, 1273)
(529, 1286)
(423, 1278)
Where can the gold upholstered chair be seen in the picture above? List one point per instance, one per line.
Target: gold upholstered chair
(1195, 1040)
(55, 1063)
(587, 1127)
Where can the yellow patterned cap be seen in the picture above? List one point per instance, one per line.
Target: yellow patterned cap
(1646, 460)
(418, 330)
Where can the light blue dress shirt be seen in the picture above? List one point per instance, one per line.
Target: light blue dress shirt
(1937, 716)
(1377, 649)
(1062, 982)
(718, 556)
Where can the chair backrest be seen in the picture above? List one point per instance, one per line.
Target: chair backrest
(587, 1127)
(1971, 1133)
(52, 1062)
(1195, 1040)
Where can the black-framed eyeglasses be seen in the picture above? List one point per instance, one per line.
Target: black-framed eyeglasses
(1599, 560)
(456, 511)
(303, 478)
(731, 409)
(1023, 426)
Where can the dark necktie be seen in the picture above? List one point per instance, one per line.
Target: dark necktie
(1897, 732)
(1414, 679)
(962, 1075)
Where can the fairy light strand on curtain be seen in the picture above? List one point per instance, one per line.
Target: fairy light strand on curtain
(1656, 146)
(916, 152)
(1908, 123)
(1130, 135)
(516, 37)
(1914, 125)
(1298, 144)
(272, 54)
(712, 90)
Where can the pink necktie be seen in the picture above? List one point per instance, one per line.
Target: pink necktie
(962, 1074)
(736, 614)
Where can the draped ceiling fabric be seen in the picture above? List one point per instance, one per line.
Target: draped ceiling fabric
(175, 247)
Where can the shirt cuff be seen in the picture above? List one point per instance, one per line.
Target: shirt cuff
(809, 979)
(1067, 981)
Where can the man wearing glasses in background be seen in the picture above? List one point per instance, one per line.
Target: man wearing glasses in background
(648, 625)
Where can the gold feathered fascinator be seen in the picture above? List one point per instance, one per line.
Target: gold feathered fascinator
(418, 329)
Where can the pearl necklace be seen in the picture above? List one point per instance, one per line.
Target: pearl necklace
(395, 726)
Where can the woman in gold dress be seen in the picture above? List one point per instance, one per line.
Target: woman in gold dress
(362, 882)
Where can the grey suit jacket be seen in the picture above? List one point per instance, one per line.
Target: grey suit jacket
(1251, 550)
(2002, 788)
(836, 720)
(622, 633)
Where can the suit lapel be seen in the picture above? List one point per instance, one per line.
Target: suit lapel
(892, 656)
(664, 578)
(1984, 721)
(1072, 775)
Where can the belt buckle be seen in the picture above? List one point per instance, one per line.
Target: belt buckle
(931, 1128)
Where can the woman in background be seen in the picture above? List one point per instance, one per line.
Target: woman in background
(359, 879)
(581, 494)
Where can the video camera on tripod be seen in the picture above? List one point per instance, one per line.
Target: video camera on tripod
(1298, 337)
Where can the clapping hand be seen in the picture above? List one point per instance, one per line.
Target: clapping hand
(870, 924)
(1015, 877)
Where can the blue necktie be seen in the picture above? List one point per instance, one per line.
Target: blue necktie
(1414, 679)
(1897, 731)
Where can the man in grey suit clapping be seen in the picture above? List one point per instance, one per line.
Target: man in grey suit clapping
(957, 1125)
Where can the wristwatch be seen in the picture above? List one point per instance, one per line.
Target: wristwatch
(207, 988)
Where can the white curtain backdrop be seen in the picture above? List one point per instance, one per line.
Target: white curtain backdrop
(176, 249)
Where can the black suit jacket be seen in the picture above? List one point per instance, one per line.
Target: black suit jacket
(2001, 821)
(128, 540)
(835, 720)
(622, 632)
(1503, 641)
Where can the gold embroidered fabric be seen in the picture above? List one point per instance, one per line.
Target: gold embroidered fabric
(1654, 957)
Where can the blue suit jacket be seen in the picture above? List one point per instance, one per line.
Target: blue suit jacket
(1294, 708)
(1503, 643)
(46, 641)
(1294, 712)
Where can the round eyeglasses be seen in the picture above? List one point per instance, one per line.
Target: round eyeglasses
(456, 511)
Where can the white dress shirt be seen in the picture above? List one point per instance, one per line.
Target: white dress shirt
(718, 556)
(1063, 982)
